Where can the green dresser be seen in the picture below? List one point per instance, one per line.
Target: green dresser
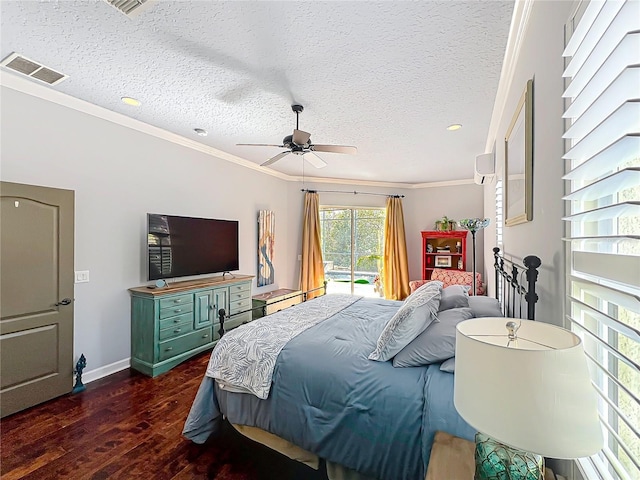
(170, 325)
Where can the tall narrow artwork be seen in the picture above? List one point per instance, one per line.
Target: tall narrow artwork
(266, 242)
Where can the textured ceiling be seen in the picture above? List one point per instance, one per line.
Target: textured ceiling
(387, 77)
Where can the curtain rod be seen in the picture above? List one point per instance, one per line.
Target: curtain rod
(354, 193)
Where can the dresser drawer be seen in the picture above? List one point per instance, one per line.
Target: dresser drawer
(236, 306)
(182, 344)
(240, 289)
(177, 309)
(176, 330)
(239, 296)
(176, 320)
(175, 301)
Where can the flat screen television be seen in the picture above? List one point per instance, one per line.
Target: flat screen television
(185, 246)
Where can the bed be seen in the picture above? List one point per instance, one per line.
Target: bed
(302, 381)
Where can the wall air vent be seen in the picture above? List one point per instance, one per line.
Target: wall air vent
(129, 7)
(25, 66)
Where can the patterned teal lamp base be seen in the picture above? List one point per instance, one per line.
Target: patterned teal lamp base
(496, 461)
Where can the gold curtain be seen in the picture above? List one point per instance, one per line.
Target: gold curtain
(311, 268)
(395, 265)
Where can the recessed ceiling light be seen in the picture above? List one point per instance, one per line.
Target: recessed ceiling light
(455, 126)
(201, 131)
(131, 101)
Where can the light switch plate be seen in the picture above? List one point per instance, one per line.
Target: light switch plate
(82, 276)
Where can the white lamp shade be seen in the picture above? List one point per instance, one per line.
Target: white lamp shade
(536, 396)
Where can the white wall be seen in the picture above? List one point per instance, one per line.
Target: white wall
(424, 206)
(540, 58)
(119, 175)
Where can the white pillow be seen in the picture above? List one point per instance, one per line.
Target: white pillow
(416, 313)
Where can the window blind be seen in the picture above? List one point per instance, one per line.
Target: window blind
(602, 197)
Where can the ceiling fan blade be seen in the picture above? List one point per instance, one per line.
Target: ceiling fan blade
(274, 159)
(334, 149)
(300, 137)
(314, 160)
(259, 145)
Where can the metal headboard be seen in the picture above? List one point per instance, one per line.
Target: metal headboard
(516, 285)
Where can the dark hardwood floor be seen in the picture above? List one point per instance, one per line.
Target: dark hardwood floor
(128, 426)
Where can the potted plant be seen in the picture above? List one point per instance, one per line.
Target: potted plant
(445, 224)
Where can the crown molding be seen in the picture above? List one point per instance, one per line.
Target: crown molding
(371, 183)
(448, 183)
(346, 181)
(519, 24)
(30, 87)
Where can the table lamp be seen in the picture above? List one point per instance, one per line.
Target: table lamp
(525, 387)
(473, 225)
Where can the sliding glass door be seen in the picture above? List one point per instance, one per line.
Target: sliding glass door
(352, 244)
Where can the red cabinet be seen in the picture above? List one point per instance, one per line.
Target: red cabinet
(443, 250)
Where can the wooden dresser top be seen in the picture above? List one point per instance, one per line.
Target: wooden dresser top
(191, 284)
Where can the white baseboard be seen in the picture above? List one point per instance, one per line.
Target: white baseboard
(98, 373)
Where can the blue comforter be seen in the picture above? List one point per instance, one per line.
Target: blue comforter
(330, 399)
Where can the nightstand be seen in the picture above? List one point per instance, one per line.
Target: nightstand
(274, 301)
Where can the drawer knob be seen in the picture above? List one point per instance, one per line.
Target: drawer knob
(177, 330)
(175, 320)
(168, 349)
(178, 300)
(206, 335)
(178, 310)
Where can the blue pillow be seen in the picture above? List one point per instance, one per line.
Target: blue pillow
(454, 296)
(416, 313)
(437, 343)
(485, 306)
(449, 366)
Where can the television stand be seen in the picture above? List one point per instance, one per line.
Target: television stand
(170, 325)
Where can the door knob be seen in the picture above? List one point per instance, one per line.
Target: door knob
(64, 301)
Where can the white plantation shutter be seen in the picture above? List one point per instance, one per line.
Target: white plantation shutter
(603, 218)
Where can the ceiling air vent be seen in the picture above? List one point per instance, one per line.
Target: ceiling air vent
(25, 66)
(129, 7)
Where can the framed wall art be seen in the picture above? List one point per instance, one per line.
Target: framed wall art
(518, 157)
(266, 245)
(443, 261)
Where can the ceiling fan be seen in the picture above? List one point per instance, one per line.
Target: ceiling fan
(300, 144)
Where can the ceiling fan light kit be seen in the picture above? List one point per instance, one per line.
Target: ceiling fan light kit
(299, 143)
